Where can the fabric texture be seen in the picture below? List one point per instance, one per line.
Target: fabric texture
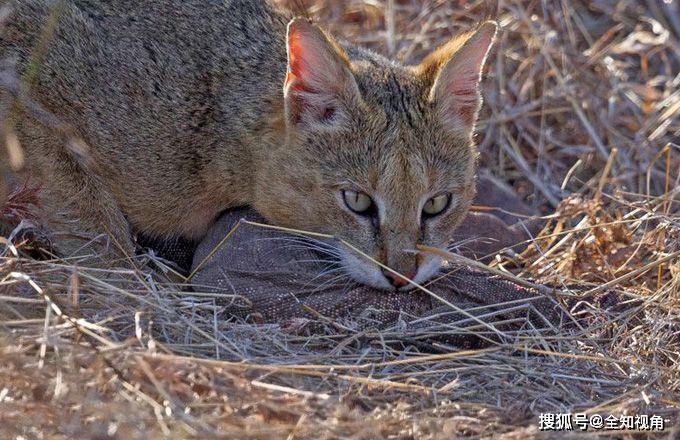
(268, 276)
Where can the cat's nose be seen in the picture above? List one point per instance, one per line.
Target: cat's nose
(398, 281)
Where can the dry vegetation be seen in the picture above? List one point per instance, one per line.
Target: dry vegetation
(582, 105)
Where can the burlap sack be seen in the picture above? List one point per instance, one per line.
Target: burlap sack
(269, 276)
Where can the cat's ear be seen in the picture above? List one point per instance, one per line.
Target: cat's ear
(319, 78)
(454, 72)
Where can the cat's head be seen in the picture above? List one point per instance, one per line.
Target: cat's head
(378, 154)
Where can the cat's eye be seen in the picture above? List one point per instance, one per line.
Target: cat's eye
(436, 205)
(357, 201)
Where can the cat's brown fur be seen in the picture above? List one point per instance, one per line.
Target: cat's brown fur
(192, 107)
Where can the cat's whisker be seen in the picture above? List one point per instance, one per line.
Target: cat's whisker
(328, 267)
(318, 260)
(454, 245)
(303, 243)
(306, 247)
(327, 272)
(333, 282)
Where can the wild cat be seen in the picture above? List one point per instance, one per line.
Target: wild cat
(191, 107)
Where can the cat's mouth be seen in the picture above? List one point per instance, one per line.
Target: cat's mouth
(342, 267)
(370, 274)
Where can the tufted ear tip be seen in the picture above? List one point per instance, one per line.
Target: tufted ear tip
(318, 75)
(300, 24)
(455, 90)
(486, 34)
(489, 28)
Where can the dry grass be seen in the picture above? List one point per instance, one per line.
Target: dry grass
(582, 106)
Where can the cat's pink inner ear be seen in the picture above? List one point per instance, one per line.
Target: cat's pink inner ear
(316, 75)
(456, 88)
(305, 58)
